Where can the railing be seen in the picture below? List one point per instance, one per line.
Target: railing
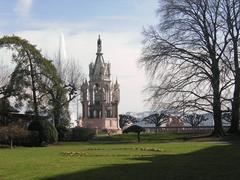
(187, 130)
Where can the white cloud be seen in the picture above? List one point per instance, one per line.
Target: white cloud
(23, 7)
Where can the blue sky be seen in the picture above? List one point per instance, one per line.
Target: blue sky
(112, 14)
(120, 23)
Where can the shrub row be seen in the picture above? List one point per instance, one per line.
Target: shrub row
(75, 134)
(82, 134)
(46, 131)
(42, 133)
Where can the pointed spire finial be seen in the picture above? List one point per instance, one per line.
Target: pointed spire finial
(99, 44)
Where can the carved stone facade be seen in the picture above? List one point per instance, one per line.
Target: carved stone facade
(100, 97)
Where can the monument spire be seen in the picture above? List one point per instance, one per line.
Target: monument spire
(100, 98)
(99, 65)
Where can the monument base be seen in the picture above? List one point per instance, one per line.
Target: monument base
(101, 123)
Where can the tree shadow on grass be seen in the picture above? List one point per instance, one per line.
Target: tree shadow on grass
(215, 163)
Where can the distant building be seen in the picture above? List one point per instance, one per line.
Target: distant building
(100, 97)
(174, 121)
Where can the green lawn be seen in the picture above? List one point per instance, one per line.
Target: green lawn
(120, 158)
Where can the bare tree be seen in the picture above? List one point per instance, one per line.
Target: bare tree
(71, 75)
(126, 119)
(194, 119)
(156, 119)
(71, 79)
(183, 57)
(231, 19)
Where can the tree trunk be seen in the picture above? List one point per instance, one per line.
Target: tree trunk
(217, 113)
(218, 130)
(56, 113)
(138, 136)
(234, 128)
(33, 88)
(156, 128)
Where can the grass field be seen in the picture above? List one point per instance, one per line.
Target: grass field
(121, 158)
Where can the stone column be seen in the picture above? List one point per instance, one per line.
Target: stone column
(85, 109)
(103, 110)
